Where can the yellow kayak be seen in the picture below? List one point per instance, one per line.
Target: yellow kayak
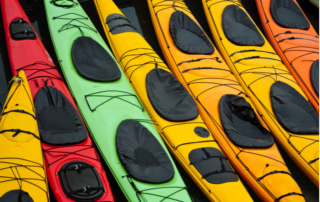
(272, 89)
(22, 170)
(171, 107)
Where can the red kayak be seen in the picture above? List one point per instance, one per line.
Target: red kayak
(73, 167)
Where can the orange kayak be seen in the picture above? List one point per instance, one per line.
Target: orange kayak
(223, 105)
(296, 42)
(267, 81)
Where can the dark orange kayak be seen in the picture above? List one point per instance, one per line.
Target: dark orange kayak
(296, 42)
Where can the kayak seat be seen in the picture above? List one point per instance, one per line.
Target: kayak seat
(287, 13)
(59, 122)
(16, 196)
(21, 30)
(169, 97)
(241, 124)
(80, 181)
(188, 36)
(239, 28)
(93, 62)
(314, 74)
(212, 165)
(118, 24)
(141, 154)
(292, 110)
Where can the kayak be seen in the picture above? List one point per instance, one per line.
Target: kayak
(172, 109)
(265, 79)
(22, 170)
(72, 164)
(224, 106)
(295, 40)
(120, 126)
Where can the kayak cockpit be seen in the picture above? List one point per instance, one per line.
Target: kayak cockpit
(93, 62)
(286, 13)
(141, 154)
(239, 29)
(188, 36)
(241, 124)
(59, 122)
(16, 195)
(169, 97)
(292, 110)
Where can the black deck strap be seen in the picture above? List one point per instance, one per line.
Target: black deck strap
(127, 94)
(173, 5)
(289, 32)
(19, 111)
(197, 60)
(37, 70)
(207, 157)
(292, 38)
(314, 160)
(53, 152)
(18, 131)
(200, 68)
(273, 172)
(35, 63)
(251, 50)
(64, 5)
(69, 25)
(254, 57)
(288, 194)
(238, 3)
(132, 184)
(140, 192)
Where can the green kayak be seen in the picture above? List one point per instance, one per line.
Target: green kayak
(121, 128)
